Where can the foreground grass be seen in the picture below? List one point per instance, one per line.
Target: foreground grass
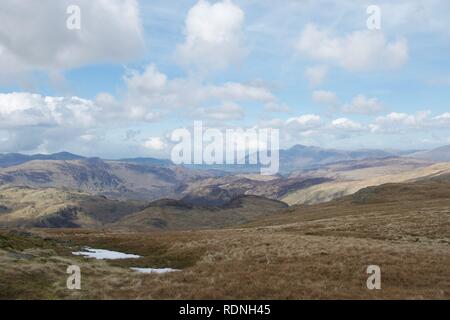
(263, 263)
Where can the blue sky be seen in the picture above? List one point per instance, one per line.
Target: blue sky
(135, 71)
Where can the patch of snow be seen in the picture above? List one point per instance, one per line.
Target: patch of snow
(152, 270)
(101, 254)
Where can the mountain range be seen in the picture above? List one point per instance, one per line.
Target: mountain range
(295, 158)
(54, 208)
(114, 179)
(12, 159)
(309, 175)
(249, 240)
(219, 229)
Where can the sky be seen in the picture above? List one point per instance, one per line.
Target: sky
(119, 82)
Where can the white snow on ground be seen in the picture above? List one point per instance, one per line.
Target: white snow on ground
(101, 254)
(151, 270)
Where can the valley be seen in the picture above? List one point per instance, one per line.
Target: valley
(229, 236)
(319, 252)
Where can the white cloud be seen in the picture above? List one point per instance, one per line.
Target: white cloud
(110, 106)
(151, 90)
(88, 137)
(316, 75)
(227, 111)
(302, 129)
(154, 143)
(356, 51)
(305, 125)
(324, 97)
(404, 118)
(238, 91)
(318, 130)
(346, 124)
(397, 121)
(305, 122)
(363, 105)
(214, 36)
(443, 117)
(34, 35)
(31, 121)
(33, 110)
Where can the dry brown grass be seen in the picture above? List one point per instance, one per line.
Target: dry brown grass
(256, 263)
(317, 252)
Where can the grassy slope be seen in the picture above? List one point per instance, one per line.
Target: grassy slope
(22, 206)
(320, 251)
(349, 182)
(49, 207)
(172, 217)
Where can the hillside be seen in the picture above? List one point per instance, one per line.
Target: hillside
(179, 215)
(220, 190)
(349, 177)
(139, 180)
(142, 180)
(302, 252)
(53, 208)
(26, 207)
(390, 199)
(114, 179)
(441, 154)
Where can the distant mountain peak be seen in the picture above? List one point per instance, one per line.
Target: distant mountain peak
(441, 154)
(12, 159)
(298, 147)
